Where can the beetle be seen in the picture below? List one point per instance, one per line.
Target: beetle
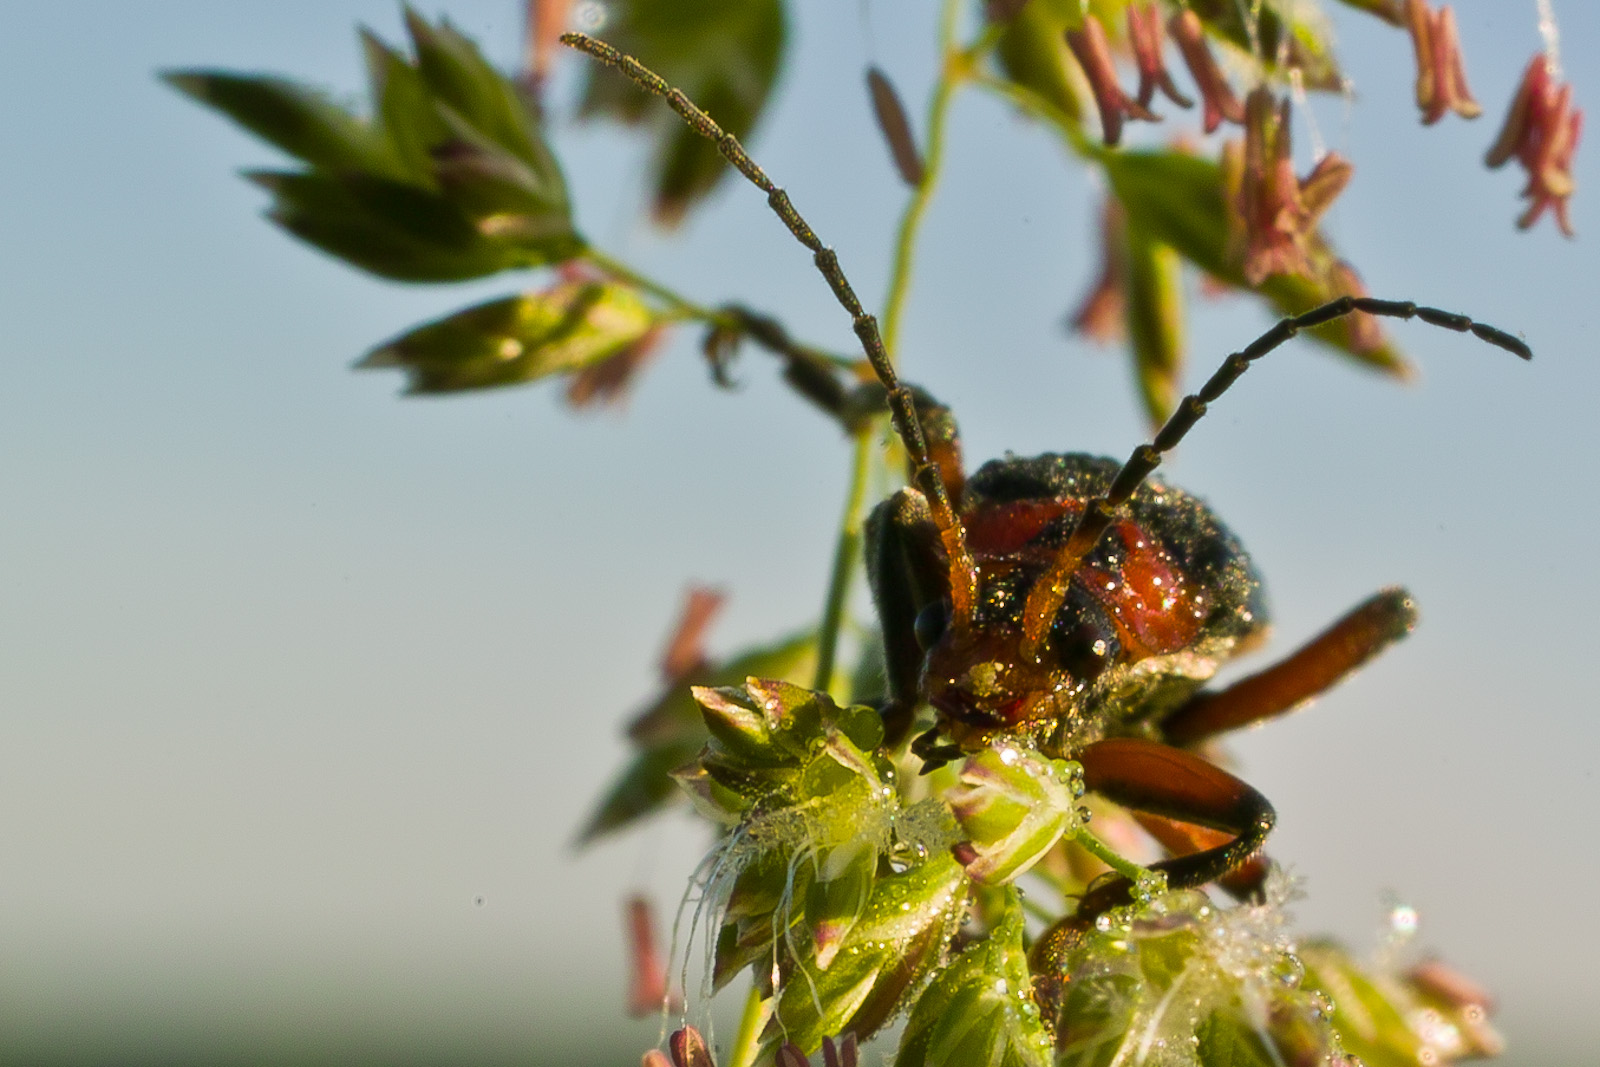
(1075, 604)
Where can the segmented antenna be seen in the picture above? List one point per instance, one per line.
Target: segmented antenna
(1050, 591)
(925, 475)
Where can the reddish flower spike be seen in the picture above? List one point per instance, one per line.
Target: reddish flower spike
(1279, 211)
(1215, 93)
(545, 20)
(1441, 77)
(648, 991)
(1541, 132)
(1089, 45)
(1146, 37)
(685, 653)
(1366, 335)
(608, 381)
(1099, 316)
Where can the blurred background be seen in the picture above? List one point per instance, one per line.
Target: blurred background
(305, 688)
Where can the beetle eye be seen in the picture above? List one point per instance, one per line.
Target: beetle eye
(1084, 640)
(931, 622)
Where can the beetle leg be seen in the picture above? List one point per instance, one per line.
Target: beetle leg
(1213, 822)
(905, 570)
(1241, 883)
(1315, 667)
(1158, 779)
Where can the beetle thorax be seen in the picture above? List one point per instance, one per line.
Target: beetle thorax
(1130, 618)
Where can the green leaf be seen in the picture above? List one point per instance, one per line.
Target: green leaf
(390, 228)
(1224, 1041)
(645, 786)
(1178, 200)
(893, 944)
(460, 78)
(405, 108)
(299, 120)
(724, 54)
(1033, 54)
(519, 339)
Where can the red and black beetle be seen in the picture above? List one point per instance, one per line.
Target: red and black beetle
(1072, 603)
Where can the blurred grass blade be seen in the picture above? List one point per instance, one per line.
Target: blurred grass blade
(301, 121)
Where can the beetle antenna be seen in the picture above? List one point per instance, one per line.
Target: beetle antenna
(1050, 591)
(963, 572)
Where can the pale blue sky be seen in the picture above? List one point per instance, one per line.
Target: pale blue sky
(293, 670)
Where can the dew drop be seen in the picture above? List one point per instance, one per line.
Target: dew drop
(590, 16)
(1289, 971)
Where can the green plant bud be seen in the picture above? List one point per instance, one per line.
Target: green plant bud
(671, 731)
(461, 80)
(564, 328)
(1387, 1020)
(900, 935)
(1012, 805)
(733, 722)
(1182, 983)
(978, 1010)
(1452, 1012)
(784, 746)
(710, 797)
(812, 813)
